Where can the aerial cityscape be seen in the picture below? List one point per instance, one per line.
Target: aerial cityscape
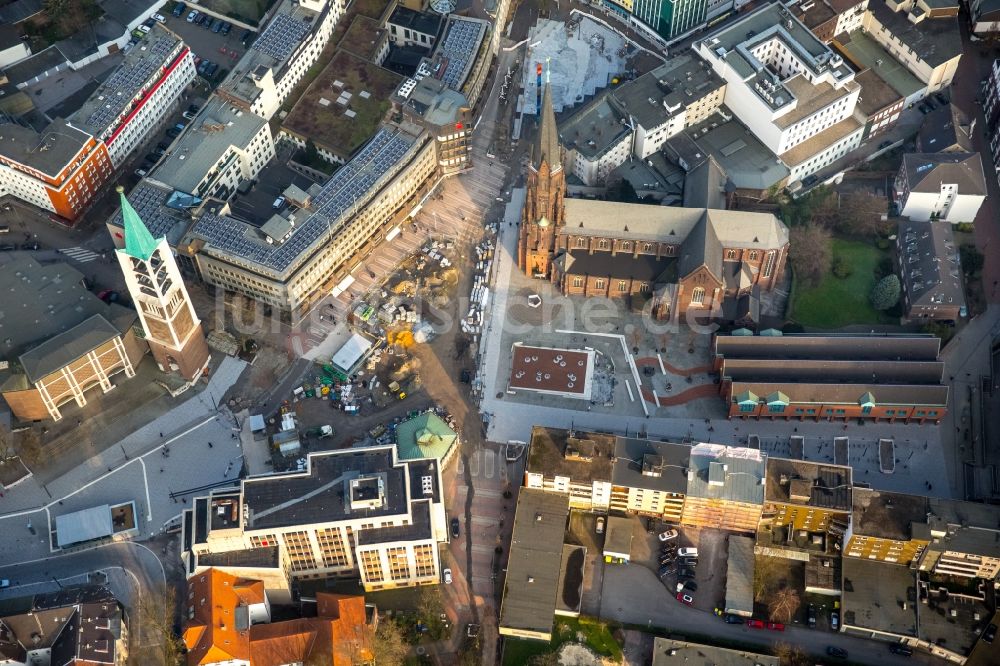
(501, 332)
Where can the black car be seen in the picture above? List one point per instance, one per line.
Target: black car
(454, 528)
(7, 247)
(809, 181)
(665, 571)
(152, 157)
(216, 25)
(211, 69)
(923, 108)
(163, 145)
(837, 652)
(245, 37)
(465, 376)
(942, 100)
(173, 132)
(900, 649)
(179, 9)
(812, 615)
(193, 108)
(990, 633)
(733, 619)
(226, 27)
(689, 562)
(205, 21)
(33, 245)
(884, 144)
(684, 574)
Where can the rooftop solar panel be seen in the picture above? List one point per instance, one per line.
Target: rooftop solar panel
(281, 36)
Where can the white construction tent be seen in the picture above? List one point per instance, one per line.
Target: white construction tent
(352, 353)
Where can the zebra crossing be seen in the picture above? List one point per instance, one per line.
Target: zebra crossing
(79, 254)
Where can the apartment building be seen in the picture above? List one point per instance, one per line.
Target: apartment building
(793, 92)
(60, 169)
(922, 35)
(931, 271)
(638, 117)
(940, 186)
(937, 536)
(221, 148)
(133, 102)
(412, 28)
(64, 341)
(984, 17)
(649, 478)
(827, 18)
(228, 620)
(445, 113)
(350, 512)
(832, 377)
(725, 488)
(879, 103)
(990, 94)
(281, 55)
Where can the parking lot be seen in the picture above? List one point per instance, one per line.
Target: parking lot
(224, 50)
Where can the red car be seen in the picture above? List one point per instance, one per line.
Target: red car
(755, 624)
(775, 626)
(685, 598)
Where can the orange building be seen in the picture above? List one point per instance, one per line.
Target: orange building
(60, 169)
(229, 621)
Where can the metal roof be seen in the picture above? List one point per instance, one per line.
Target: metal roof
(740, 575)
(85, 525)
(724, 472)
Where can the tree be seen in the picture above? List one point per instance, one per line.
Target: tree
(624, 192)
(886, 292)
(860, 215)
(154, 615)
(764, 571)
(430, 610)
(388, 645)
(810, 253)
(791, 655)
(782, 604)
(841, 267)
(972, 259)
(819, 206)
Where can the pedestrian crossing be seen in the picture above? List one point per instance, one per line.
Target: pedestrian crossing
(79, 254)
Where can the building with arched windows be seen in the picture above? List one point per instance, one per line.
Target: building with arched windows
(675, 259)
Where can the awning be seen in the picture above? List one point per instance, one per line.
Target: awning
(392, 233)
(342, 286)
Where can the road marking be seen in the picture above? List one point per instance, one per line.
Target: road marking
(80, 254)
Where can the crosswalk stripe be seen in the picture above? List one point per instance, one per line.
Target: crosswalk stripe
(80, 254)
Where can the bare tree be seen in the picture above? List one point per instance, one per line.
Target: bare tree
(791, 655)
(860, 214)
(389, 647)
(764, 571)
(152, 621)
(30, 447)
(782, 604)
(810, 253)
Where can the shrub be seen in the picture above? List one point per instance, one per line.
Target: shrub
(841, 267)
(886, 292)
(882, 243)
(964, 227)
(886, 266)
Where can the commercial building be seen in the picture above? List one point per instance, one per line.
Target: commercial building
(832, 377)
(445, 113)
(463, 55)
(63, 342)
(117, 523)
(940, 186)
(923, 35)
(350, 512)
(228, 620)
(668, 18)
(990, 94)
(670, 652)
(223, 147)
(827, 18)
(132, 103)
(684, 260)
(794, 93)
(281, 55)
(725, 488)
(931, 271)
(412, 28)
(85, 626)
(880, 103)
(946, 129)
(533, 567)
(649, 478)
(984, 17)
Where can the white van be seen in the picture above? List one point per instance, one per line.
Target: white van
(687, 552)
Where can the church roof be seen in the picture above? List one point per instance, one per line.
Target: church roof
(139, 243)
(547, 148)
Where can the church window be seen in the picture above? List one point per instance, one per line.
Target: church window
(622, 285)
(602, 244)
(698, 295)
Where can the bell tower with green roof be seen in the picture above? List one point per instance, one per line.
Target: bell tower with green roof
(170, 325)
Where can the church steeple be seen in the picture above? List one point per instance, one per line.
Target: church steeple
(139, 243)
(547, 148)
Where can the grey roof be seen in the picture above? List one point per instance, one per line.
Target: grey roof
(49, 151)
(847, 346)
(725, 472)
(456, 51)
(35, 65)
(618, 536)
(529, 598)
(946, 128)
(651, 465)
(66, 347)
(19, 10)
(164, 211)
(126, 11)
(662, 93)
(569, 597)
(620, 266)
(282, 35)
(213, 132)
(257, 558)
(933, 40)
(927, 171)
(419, 528)
(424, 22)
(808, 484)
(930, 264)
(705, 185)
(876, 94)
(42, 302)
(546, 147)
(107, 28)
(656, 175)
(321, 493)
(827, 371)
(584, 457)
(747, 162)
(984, 8)
(595, 130)
(353, 185)
(670, 652)
(878, 513)
(9, 35)
(886, 395)
(434, 102)
(702, 247)
(143, 64)
(740, 575)
(875, 594)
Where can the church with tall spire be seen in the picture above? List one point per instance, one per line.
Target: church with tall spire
(544, 209)
(169, 323)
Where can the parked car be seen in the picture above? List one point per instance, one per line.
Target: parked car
(226, 27)
(109, 296)
(173, 132)
(205, 21)
(600, 525)
(141, 173)
(216, 26)
(685, 574)
(691, 585)
(454, 528)
(941, 99)
(159, 18)
(732, 619)
(194, 108)
(245, 37)
(163, 145)
(33, 245)
(756, 624)
(923, 108)
(688, 552)
(900, 649)
(835, 621)
(809, 181)
(151, 157)
(837, 652)
(775, 626)
(278, 203)
(990, 633)
(149, 23)
(187, 115)
(447, 576)
(179, 9)
(213, 67)
(685, 598)
(884, 145)
(668, 535)
(192, 16)
(4, 582)
(665, 570)
(7, 247)
(689, 561)
(929, 103)
(811, 614)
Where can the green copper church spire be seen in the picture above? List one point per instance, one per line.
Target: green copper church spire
(139, 243)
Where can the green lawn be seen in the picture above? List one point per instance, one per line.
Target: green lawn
(593, 633)
(840, 302)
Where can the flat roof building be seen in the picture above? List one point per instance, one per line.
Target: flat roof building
(533, 568)
(564, 372)
(740, 576)
(725, 488)
(931, 271)
(670, 652)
